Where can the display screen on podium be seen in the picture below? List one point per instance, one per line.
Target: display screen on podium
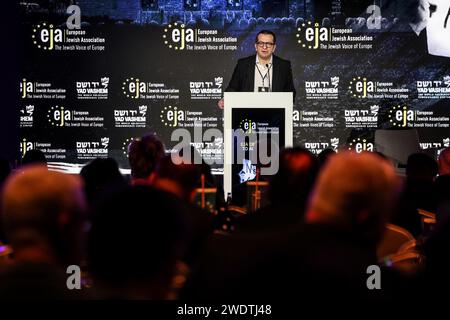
(257, 126)
(268, 126)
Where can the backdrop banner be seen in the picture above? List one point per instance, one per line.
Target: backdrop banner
(97, 74)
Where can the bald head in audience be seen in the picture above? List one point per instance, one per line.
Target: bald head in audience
(354, 192)
(42, 215)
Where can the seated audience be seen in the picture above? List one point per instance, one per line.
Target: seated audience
(326, 258)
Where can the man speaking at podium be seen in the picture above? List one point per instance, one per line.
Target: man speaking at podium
(263, 72)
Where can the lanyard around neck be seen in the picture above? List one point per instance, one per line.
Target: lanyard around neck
(260, 73)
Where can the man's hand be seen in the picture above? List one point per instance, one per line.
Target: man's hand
(220, 104)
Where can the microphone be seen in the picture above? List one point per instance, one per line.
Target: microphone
(268, 74)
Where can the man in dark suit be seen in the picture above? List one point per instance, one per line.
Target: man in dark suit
(262, 72)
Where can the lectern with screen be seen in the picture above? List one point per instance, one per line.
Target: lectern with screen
(256, 127)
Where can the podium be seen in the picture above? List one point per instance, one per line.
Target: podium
(253, 123)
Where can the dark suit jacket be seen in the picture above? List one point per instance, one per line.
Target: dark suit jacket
(243, 79)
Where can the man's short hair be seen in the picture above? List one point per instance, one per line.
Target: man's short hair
(267, 32)
(144, 154)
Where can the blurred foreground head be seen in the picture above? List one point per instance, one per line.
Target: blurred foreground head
(355, 192)
(135, 242)
(444, 161)
(43, 215)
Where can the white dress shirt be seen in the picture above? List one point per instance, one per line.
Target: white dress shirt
(263, 75)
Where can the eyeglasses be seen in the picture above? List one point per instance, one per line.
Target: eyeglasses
(265, 44)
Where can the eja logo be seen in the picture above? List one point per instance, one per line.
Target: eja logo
(248, 125)
(399, 116)
(25, 146)
(171, 116)
(26, 87)
(360, 145)
(46, 36)
(133, 88)
(312, 35)
(57, 116)
(176, 36)
(359, 87)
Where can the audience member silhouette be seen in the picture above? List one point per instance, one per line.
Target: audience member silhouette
(5, 170)
(442, 184)
(34, 156)
(419, 192)
(325, 155)
(99, 176)
(350, 205)
(288, 192)
(43, 221)
(180, 177)
(143, 156)
(136, 239)
(436, 248)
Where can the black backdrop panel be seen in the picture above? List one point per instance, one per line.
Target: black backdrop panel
(157, 66)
